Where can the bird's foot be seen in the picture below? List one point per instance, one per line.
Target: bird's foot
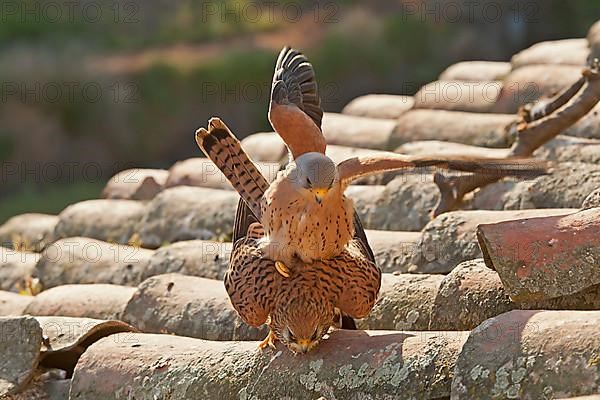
(282, 269)
(269, 341)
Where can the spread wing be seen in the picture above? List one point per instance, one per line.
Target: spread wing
(358, 167)
(295, 108)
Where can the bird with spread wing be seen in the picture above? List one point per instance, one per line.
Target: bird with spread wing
(293, 233)
(305, 213)
(301, 307)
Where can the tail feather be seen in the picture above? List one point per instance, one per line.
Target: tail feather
(225, 150)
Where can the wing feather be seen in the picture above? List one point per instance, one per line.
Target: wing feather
(357, 167)
(295, 109)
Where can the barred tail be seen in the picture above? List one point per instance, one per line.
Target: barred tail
(225, 150)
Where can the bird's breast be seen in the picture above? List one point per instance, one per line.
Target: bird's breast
(300, 226)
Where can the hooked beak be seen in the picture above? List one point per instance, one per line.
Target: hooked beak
(320, 194)
(304, 345)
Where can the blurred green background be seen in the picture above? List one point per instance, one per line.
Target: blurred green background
(93, 87)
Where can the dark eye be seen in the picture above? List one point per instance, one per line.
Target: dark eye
(308, 182)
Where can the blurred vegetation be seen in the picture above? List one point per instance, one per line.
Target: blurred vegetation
(52, 199)
(164, 68)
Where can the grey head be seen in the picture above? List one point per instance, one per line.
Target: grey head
(316, 173)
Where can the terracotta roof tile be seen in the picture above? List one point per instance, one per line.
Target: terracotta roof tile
(530, 82)
(393, 249)
(207, 259)
(187, 306)
(13, 303)
(135, 184)
(527, 353)
(587, 127)
(352, 131)
(22, 339)
(384, 106)
(31, 231)
(472, 293)
(350, 365)
(456, 95)
(545, 257)
(545, 191)
(454, 126)
(405, 302)
(85, 260)
(266, 147)
(186, 213)
(566, 51)
(476, 71)
(450, 238)
(16, 267)
(101, 301)
(102, 219)
(202, 172)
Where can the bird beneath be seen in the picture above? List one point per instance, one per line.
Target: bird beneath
(300, 308)
(304, 210)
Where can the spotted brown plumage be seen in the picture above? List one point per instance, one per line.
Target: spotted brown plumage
(299, 309)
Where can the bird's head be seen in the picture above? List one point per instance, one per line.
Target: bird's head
(315, 174)
(301, 323)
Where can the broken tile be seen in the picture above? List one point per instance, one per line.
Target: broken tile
(66, 338)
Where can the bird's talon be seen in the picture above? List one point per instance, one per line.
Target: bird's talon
(282, 269)
(269, 341)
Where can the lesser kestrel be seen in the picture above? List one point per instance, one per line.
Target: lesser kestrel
(301, 307)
